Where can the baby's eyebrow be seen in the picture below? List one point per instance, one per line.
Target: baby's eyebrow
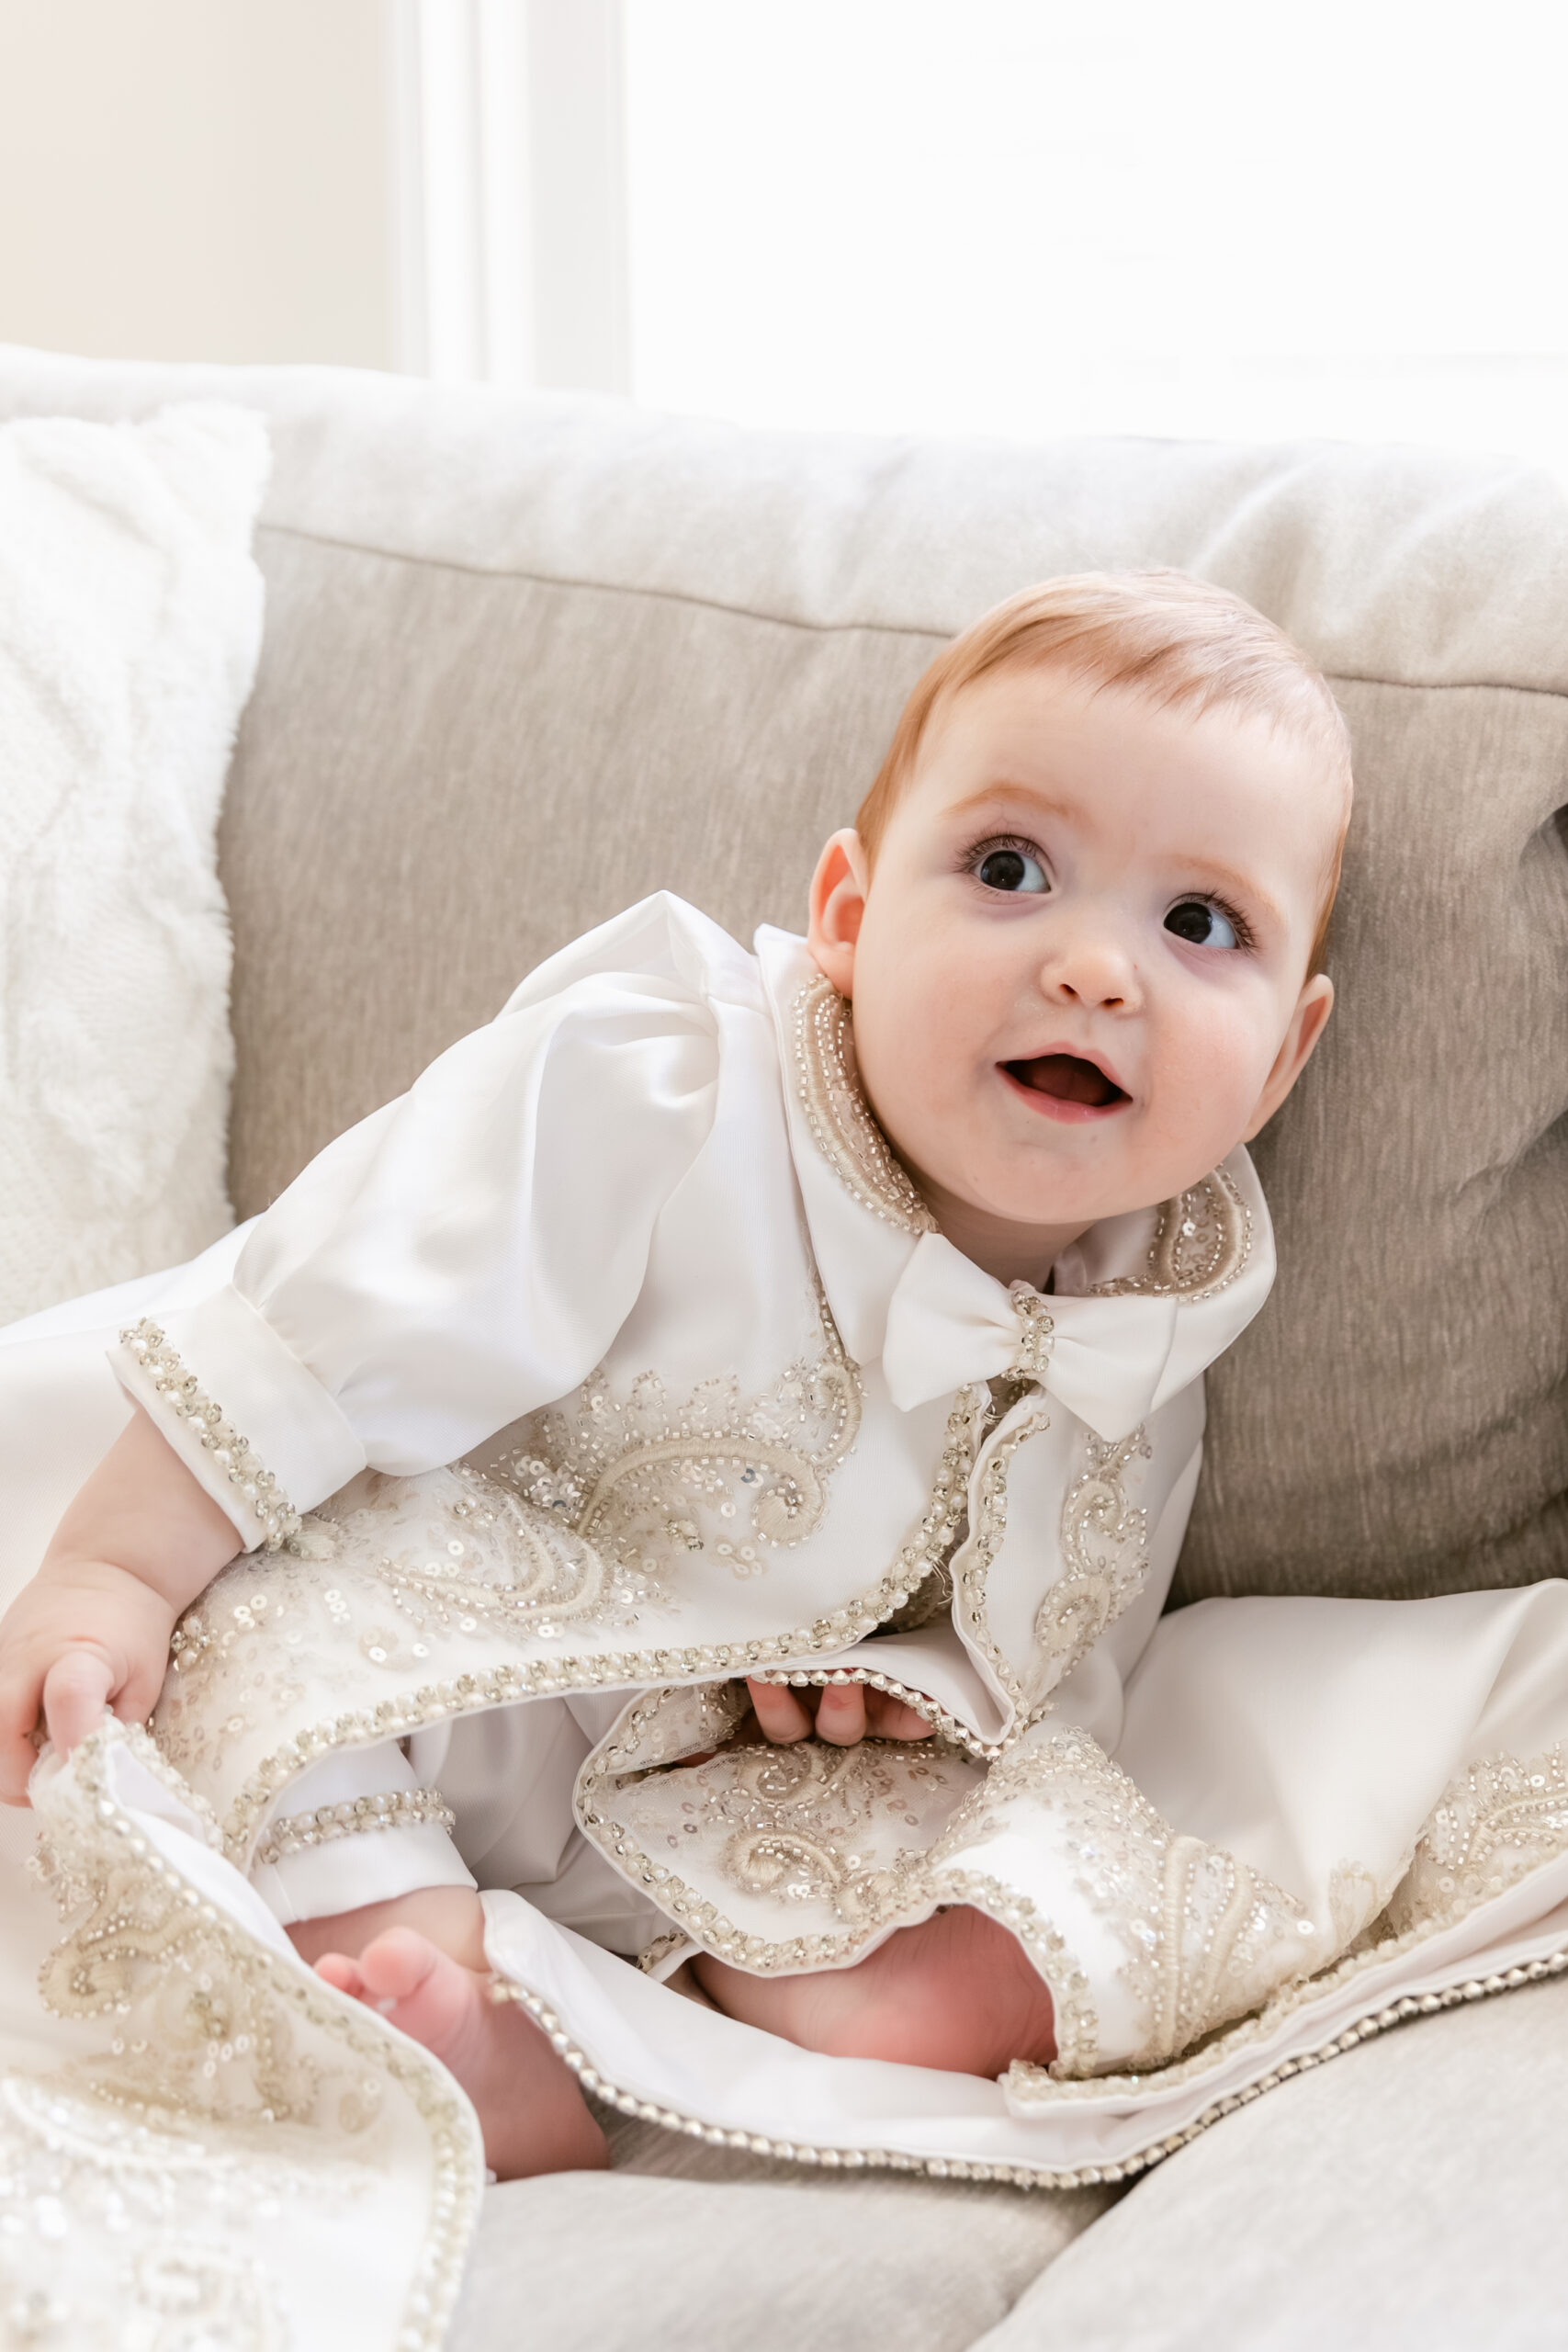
(1243, 886)
(993, 796)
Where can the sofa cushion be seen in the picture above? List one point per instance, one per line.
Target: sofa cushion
(1406, 2197)
(529, 658)
(707, 2249)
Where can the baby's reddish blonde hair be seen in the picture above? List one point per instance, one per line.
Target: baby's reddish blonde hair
(1181, 643)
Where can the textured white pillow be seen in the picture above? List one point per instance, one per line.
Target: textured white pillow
(131, 615)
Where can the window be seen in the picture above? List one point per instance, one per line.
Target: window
(1234, 219)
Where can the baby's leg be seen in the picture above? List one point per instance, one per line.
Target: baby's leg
(956, 1991)
(420, 1960)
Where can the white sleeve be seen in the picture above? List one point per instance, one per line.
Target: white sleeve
(356, 1828)
(463, 1256)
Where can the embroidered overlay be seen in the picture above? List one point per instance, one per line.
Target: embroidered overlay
(393, 1809)
(97, 2245)
(428, 1578)
(230, 2081)
(644, 1481)
(1491, 1826)
(842, 1129)
(858, 1841)
(259, 1490)
(987, 1525)
(1494, 1824)
(1105, 1556)
(1201, 1242)
(1206, 1938)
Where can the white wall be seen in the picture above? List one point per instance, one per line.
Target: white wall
(196, 179)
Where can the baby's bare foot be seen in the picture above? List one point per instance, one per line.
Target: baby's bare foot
(956, 1992)
(530, 2108)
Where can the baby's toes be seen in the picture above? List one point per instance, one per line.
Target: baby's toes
(426, 1994)
(336, 1969)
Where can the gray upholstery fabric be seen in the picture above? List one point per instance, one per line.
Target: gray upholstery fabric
(1408, 2197)
(442, 778)
(528, 659)
(660, 2251)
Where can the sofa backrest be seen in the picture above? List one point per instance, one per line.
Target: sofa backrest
(527, 659)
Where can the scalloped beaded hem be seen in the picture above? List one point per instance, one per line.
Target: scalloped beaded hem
(178, 1389)
(1014, 2175)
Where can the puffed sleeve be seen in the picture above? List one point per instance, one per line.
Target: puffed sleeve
(466, 1254)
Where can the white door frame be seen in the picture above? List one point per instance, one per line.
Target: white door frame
(507, 147)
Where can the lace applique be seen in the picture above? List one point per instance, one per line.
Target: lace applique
(644, 1481)
(298, 1833)
(1354, 1901)
(812, 1824)
(225, 2064)
(1201, 1242)
(97, 2244)
(1207, 1938)
(975, 1553)
(1105, 1556)
(1496, 1823)
(1493, 1825)
(179, 1394)
(852, 1840)
(453, 1563)
(828, 1089)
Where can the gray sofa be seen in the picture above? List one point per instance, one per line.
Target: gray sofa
(527, 660)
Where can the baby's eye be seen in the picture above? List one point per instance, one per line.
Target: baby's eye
(1202, 923)
(1009, 868)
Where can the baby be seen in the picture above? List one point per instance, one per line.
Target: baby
(1080, 920)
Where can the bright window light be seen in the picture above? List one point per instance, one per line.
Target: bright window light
(1233, 218)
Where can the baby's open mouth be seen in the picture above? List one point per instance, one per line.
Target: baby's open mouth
(1069, 1079)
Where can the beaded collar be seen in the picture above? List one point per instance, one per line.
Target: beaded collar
(1202, 1240)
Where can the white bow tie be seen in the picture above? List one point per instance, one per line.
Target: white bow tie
(1111, 1361)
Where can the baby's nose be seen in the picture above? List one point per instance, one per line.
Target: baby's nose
(1093, 970)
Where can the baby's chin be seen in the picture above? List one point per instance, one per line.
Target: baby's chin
(1073, 1197)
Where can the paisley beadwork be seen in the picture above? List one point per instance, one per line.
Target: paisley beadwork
(1201, 1242)
(836, 1113)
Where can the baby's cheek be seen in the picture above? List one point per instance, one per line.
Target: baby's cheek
(1206, 1083)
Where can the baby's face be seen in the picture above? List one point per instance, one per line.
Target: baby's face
(1078, 968)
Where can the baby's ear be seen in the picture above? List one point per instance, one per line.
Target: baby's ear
(837, 907)
(1308, 1022)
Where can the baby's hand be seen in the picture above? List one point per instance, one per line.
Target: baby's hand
(844, 1713)
(73, 1642)
(136, 1546)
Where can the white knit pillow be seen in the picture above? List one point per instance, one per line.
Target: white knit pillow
(131, 615)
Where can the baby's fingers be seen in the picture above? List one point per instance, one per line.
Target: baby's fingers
(780, 1716)
(841, 1713)
(19, 1752)
(889, 1718)
(76, 1689)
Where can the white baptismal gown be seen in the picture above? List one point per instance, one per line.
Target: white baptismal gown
(619, 1360)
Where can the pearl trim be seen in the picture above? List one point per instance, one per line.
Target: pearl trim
(259, 1492)
(1017, 2175)
(397, 1809)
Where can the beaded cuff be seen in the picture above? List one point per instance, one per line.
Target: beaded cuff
(177, 1390)
(398, 1809)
